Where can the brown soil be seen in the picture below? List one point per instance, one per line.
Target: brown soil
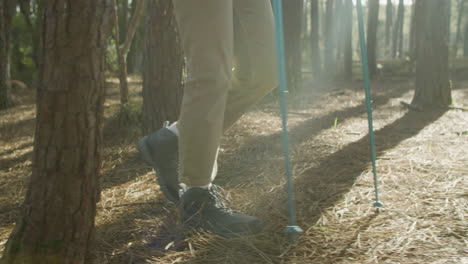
(422, 169)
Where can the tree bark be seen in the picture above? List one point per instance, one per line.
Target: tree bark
(372, 26)
(56, 223)
(163, 67)
(7, 8)
(432, 71)
(292, 30)
(315, 37)
(348, 40)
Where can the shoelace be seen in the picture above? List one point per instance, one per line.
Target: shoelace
(219, 200)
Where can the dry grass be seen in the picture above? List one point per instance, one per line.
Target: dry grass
(422, 169)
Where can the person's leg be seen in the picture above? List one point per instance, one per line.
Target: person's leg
(255, 73)
(206, 31)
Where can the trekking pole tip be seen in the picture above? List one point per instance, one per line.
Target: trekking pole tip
(293, 233)
(378, 204)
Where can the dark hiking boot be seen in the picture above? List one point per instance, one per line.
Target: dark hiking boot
(160, 150)
(203, 208)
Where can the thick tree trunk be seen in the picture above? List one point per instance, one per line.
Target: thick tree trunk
(163, 67)
(348, 40)
(7, 8)
(315, 38)
(432, 72)
(372, 26)
(388, 23)
(329, 34)
(459, 22)
(397, 28)
(56, 223)
(292, 30)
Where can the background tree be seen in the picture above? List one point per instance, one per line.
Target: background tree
(461, 6)
(7, 9)
(329, 38)
(372, 27)
(163, 67)
(315, 37)
(388, 23)
(123, 46)
(348, 39)
(56, 222)
(398, 31)
(465, 43)
(432, 70)
(292, 29)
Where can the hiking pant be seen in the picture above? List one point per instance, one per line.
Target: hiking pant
(231, 61)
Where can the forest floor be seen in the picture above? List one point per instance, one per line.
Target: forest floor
(422, 163)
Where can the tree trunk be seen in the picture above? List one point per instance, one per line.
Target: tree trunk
(7, 8)
(459, 22)
(163, 67)
(56, 223)
(348, 40)
(396, 29)
(412, 34)
(465, 46)
(292, 30)
(124, 46)
(432, 73)
(401, 30)
(315, 38)
(388, 23)
(329, 56)
(124, 18)
(372, 26)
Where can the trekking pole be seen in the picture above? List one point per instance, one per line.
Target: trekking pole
(365, 71)
(292, 229)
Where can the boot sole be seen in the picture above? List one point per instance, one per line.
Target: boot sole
(146, 156)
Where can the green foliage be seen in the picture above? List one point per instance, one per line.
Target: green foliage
(130, 114)
(22, 66)
(111, 57)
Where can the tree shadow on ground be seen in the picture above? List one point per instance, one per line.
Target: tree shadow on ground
(326, 184)
(303, 131)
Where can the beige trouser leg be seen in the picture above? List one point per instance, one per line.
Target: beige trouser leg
(212, 32)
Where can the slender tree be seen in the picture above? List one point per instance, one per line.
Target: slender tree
(315, 37)
(465, 46)
(163, 67)
(461, 6)
(401, 6)
(432, 71)
(372, 26)
(388, 23)
(124, 46)
(412, 34)
(56, 222)
(329, 36)
(7, 8)
(292, 30)
(348, 40)
(397, 29)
